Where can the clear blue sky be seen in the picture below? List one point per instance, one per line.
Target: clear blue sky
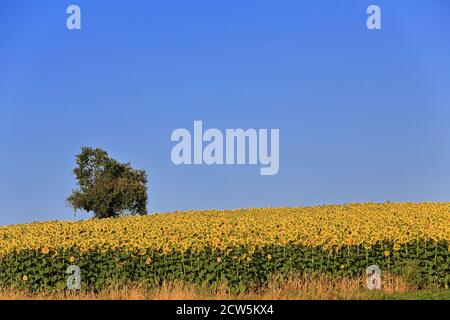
(363, 115)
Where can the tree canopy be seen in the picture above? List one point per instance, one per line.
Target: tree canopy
(107, 187)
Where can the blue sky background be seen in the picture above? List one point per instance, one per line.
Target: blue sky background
(363, 115)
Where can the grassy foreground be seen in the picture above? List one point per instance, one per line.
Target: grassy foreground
(295, 288)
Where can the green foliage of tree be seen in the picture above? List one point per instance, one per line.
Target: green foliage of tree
(107, 187)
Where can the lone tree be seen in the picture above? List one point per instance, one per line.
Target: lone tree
(107, 187)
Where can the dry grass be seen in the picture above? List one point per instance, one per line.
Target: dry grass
(296, 288)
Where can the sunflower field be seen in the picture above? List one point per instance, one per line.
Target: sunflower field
(241, 247)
